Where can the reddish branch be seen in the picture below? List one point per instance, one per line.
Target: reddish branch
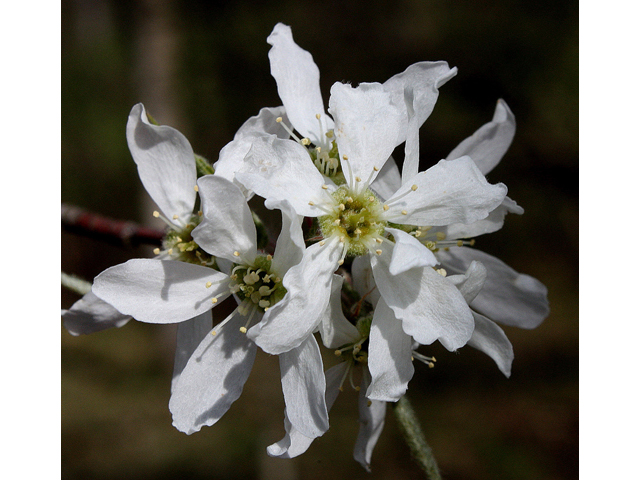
(82, 222)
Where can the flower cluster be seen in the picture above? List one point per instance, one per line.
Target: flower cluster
(371, 262)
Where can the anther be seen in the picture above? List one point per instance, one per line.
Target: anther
(358, 179)
(156, 251)
(279, 119)
(311, 203)
(195, 187)
(208, 284)
(385, 207)
(269, 258)
(414, 187)
(379, 252)
(236, 254)
(459, 243)
(322, 242)
(324, 187)
(441, 236)
(214, 300)
(175, 217)
(243, 330)
(305, 141)
(404, 212)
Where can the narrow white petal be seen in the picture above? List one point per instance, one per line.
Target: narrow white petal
(282, 170)
(492, 223)
(449, 192)
(508, 297)
(372, 414)
(471, 282)
(289, 322)
(295, 443)
(408, 253)
(390, 353)
(188, 336)
(363, 280)
(335, 329)
(303, 385)
(90, 314)
(227, 224)
(411, 162)
(213, 378)
(290, 244)
(490, 339)
(431, 307)
(160, 291)
(166, 164)
(298, 80)
(424, 78)
(490, 142)
(367, 125)
(388, 180)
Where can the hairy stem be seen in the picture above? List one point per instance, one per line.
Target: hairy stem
(420, 450)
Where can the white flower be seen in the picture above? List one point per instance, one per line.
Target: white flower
(167, 291)
(355, 222)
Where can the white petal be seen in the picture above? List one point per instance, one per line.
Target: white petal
(227, 224)
(449, 192)
(335, 329)
(232, 156)
(290, 244)
(424, 78)
(166, 164)
(431, 307)
(264, 123)
(188, 336)
(490, 339)
(507, 297)
(491, 224)
(213, 378)
(295, 443)
(160, 291)
(363, 280)
(298, 80)
(372, 414)
(367, 125)
(490, 142)
(408, 253)
(303, 385)
(390, 353)
(388, 180)
(471, 282)
(90, 314)
(290, 321)
(411, 162)
(281, 170)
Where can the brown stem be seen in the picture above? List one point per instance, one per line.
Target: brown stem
(129, 234)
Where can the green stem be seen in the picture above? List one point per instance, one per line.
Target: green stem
(420, 450)
(75, 284)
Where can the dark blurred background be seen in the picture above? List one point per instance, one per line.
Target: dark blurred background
(202, 67)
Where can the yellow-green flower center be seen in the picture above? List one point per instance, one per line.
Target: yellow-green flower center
(357, 220)
(257, 284)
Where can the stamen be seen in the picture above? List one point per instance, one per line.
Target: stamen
(288, 130)
(157, 214)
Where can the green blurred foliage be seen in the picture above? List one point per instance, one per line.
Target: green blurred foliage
(115, 384)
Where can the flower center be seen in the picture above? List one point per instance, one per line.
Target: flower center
(357, 220)
(256, 284)
(180, 245)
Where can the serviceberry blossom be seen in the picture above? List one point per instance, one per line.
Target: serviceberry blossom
(166, 291)
(353, 221)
